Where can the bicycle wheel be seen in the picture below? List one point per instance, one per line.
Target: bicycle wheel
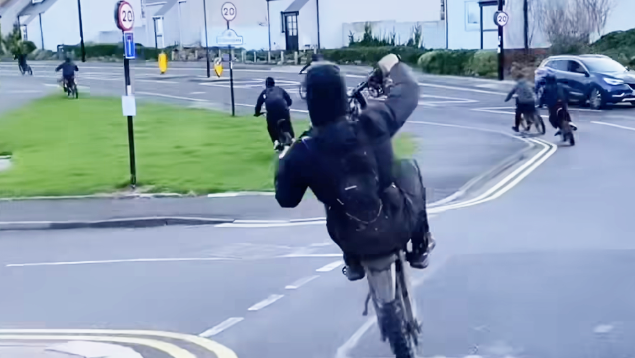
(400, 333)
(76, 91)
(30, 71)
(540, 124)
(302, 91)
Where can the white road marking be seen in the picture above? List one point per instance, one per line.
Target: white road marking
(603, 328)
(265, 225)
(461, 89)
(311, 255)
(157, 81)
(497, 111)
(22, 91)
(197, 93)
(614, 125)
(94, 349)
(301, 282)
(330, 267)
(622, 117)
(221, 327)
(96, 262)
(321, 244)
(170, 96)
(264, 303)
(240, 193)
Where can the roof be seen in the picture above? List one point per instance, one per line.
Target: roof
(167, 7)
(39, 8)
(296, 6)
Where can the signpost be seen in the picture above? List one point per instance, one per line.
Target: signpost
(124, 18)
(229, 38)
(501, 19)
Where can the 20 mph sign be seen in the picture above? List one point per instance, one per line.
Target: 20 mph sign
(124, 16)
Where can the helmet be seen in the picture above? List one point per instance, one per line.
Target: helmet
(326, 94)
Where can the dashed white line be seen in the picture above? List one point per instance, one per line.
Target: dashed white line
(614, 125)
(221, 327)
(301, 282)
(331, 266)
(264, 303)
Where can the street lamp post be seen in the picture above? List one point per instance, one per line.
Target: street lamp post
(269, 25)
(81, 30)
(317, 10)
(206, 41)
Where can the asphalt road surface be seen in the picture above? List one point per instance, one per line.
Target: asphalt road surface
(540, 271)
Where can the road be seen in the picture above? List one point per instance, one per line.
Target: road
(541, 270)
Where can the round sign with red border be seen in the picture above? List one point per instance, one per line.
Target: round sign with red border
(124, 16)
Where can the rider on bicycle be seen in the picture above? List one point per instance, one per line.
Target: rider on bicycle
(555, 97)
(21, 62)
(315, 58)
(68, 68)
(277, 101)
(525, 100)
(374, 203)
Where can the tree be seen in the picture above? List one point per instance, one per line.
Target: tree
(599, 11)
(567, 24)
(14, 44)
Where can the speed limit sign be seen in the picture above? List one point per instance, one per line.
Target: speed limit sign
(124, 16)
(501, 18)
(229, 11)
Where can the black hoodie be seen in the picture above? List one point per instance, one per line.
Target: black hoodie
(319, 160)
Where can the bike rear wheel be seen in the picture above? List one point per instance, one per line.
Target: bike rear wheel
(302, 91)
(540, 124)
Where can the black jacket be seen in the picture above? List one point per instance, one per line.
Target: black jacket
(277, 101)
(68, 69)
(299, 169)
(554, 93)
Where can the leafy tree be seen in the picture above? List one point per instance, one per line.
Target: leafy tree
(14, 44)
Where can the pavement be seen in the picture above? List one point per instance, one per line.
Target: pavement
(534, 266)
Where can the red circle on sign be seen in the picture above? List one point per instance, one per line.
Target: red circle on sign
(125, 16)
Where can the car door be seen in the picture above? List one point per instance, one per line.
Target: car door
(577, 80)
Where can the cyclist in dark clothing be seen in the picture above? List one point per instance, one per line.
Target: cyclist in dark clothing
(374, 203)
(277, 101)
(555, 96)
(21, 62)
(68, 68)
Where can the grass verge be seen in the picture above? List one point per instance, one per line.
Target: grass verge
(76, 147)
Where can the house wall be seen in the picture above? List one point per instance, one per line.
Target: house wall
(10, 13)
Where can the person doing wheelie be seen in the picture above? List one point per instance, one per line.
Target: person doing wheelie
(277, 101)
(525, 100)
(68, 68)
(375, 204)
(556, 97)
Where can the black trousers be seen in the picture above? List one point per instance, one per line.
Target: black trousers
(275, 130)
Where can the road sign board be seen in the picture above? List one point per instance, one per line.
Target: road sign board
(501, 18)
(228, 10)
(229, 37)
(128, 45)
(124, 16)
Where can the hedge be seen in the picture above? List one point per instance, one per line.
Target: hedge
(111, 50)
(370, 55)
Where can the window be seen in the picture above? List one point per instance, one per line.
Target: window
(576, 67)
(560, 65)
(601, 64)
(472, 16)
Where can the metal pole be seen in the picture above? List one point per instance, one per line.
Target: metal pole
(526, 18)
(178, 5)
(269, 25)
(501, 48)
(317, 9)
(41, 31)
(133, 165)
(81, 30)
(156, 39)
(231, 80)
(209, 73)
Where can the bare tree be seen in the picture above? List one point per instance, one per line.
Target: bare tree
(599, 11)
(567, 24)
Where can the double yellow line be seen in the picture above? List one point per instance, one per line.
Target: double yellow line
(122, 336)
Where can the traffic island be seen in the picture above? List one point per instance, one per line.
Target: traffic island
(80, 147)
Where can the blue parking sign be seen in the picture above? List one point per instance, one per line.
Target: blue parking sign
(128, 45)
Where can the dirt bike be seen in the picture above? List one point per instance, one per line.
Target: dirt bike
(566, 132)
(26, 69)
(285, 139)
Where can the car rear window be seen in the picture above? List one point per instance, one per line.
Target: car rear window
(603, 65)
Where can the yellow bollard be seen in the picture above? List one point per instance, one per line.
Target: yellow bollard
(218, 67)
(163, 62)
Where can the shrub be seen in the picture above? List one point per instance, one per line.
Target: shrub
(446, 62)
(483, 64)
(370, 55)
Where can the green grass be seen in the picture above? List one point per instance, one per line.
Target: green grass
(74, 147)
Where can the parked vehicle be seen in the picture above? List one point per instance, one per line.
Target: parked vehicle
(594, 79)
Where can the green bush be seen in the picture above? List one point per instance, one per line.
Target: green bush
(370, 55)
(446, 62)
(614, 40)
(483, 64)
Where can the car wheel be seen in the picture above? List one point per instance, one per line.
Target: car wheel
(595, 99)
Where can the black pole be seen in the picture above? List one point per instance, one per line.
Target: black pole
(206, 43)
(317, 9)
(41, 31)
(231, 76)
(133, 165)
(501, 48)
(526, 18)
(269, 25)
(81, 30)
(481, 9)
(156, 39)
